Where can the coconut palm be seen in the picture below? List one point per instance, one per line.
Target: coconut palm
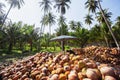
(1, 13)
(61, 23)
(92, 5)
(43, 22)
(116, 28)
(95, 34)
(72, 25)
(75, 25)
(104, 28)
(62, 30)
(108, 25)
(30, 35)
(61, 5)
(97, 4)
(100, 18)
(1, 7)
(118, 21)
(13, 4)
(1, 19)
(50, 20)
(46, 5)
(82, 35)
(11, 31)
(61, 20)
(88, 19)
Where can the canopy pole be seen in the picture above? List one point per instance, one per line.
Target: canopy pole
(62, 45)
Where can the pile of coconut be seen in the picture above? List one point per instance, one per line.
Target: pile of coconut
(100, 54)
(63, 66)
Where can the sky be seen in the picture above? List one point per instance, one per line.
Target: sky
(31, 13)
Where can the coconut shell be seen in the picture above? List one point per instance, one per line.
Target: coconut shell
(109, 78)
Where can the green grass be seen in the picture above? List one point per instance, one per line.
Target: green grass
(51, 49)
(6, 58)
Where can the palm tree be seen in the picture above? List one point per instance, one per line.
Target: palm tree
(72, 25)
(92, 5)
(75, 25)
(82, 35)
(104, 28)
(30, 35)
(61, 23)
(88, 19)
(118, 21)
(63, 29)
(46, 5)
(1, 13)
(61, 5)
(43, 22)
(1, 7)
(61, 20)
(11, 31)
(116, 28)
(95, 35)
(1, 19)
(100, 18)
(13, 4)
(50, 20)
(97, 4)
(108, 25)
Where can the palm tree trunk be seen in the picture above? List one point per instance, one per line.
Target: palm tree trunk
(50, 30)
(106, 40)
(31, 45)
(110, 29)
(49, 35)
(7, 14)
(10, 47)
(41, 30)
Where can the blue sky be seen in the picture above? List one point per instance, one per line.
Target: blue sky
(31, 13)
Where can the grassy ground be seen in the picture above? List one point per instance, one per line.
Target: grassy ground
(8, 58)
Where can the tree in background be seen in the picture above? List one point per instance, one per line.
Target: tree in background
(92, 5)
(72, 25)
(61, 5)
(11, 31)
(1, 13)
(104, 28)
(50, 20)
(13, 4)
(108, 25)
(95, 35)
(46, 7)
(1, 7)
(116, 28)
(62, 26)
(88, 19)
